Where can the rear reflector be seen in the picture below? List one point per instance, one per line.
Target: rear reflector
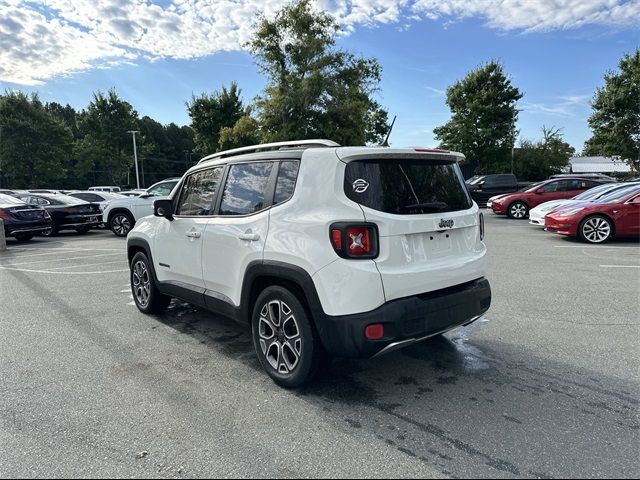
(374, 331)
(336, 238)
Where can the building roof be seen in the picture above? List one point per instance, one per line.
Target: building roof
(598, 165)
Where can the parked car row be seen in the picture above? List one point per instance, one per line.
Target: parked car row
(585, 208)
(27, 213)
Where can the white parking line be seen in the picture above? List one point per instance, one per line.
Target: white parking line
(82, 265)
(620, 266)
(64, 259)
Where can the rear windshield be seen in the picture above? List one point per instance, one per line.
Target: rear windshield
(407, 187)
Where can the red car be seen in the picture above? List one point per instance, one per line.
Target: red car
(517, 204)
(616, 214)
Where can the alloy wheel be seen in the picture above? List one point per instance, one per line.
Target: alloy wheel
(518, 210)
(280, 338)
(596, 230)
(121, 225)
(141, 283)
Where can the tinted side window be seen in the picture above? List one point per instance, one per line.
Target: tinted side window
(286, 183)
(246, 188)
(552, 187)
(198, 193)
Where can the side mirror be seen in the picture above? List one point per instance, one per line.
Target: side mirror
(163, 208)
(540, 190)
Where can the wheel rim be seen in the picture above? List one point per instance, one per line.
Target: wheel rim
(47, 232)
(279, 336)
(518, 210)
(596, 230)
(121, 224)
(141, 283)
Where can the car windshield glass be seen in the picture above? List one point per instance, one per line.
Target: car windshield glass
(594, 192)
(532, 187)
(407, 186)
(9, 200)
(619, 194)
(62, 199)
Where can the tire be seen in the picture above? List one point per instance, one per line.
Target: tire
(83, 229)
(49, 232)
(145, 292)
(595, 229)
(288, 347)
(121, 223)
(518, 210)
(23, 237)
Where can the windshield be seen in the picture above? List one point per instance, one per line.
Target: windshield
(618, 195)
(9, 200)
(594, 192)
(407, 186)
(532, 187)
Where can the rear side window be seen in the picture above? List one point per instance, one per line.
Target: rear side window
(246, 188)
(199, 192)
(407, 187)
(286, 182)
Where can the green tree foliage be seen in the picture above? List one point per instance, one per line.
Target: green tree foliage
(104, 154)
(66, 114)
(35, 146)
(482, 125)
(615, 120)
(211, 113)
(538, 160)
(245, 132)
(314, 90)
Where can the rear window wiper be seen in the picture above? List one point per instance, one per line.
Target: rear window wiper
(437, 206)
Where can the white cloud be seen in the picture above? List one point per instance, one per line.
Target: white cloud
(40, 39)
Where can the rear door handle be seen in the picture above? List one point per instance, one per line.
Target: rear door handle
(194, 234)
(250, 237)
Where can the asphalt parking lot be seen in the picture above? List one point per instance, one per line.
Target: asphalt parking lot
(548, 385)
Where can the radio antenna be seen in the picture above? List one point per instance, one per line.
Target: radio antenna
(386, 140)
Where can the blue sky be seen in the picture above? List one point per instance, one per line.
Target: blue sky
(556, 57)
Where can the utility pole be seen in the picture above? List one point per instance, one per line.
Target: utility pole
(513, 145)
(135, 156)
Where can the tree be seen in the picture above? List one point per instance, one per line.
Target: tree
(539, 160)
(482, 124)
(245, 132)
(211, 113)
(35, 147)
(66, 114)
(104, 154)
(314, 90)
(615, 120)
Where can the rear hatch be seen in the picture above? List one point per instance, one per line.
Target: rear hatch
(429, 229)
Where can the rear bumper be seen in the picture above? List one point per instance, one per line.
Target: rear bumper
(406, 320)
(11, 229)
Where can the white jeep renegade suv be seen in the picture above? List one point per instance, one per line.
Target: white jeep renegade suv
(348, 251)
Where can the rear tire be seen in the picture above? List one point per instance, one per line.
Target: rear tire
(83, 230)
(284, 339)
(121, 224)
(23, 237)
(145, 292)
(595, 229)
(518, 210)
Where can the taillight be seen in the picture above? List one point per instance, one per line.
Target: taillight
(481, 222)
(354, 240)
(4, 214)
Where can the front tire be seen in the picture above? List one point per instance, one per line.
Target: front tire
(145, 292)
(121, 224)
(23, 237)
(284, 339)
(595, 229)
(83, 230)
(518, 210)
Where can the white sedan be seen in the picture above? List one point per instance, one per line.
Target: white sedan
(537, 214)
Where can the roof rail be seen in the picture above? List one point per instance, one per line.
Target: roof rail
(271, 146)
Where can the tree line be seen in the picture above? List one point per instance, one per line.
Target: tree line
(314, 90)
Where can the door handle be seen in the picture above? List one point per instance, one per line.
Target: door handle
(250, 237)
(193, 234)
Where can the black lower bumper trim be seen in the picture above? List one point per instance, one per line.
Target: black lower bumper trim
(407, 318)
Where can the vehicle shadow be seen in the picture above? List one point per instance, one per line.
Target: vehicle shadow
(466, 407)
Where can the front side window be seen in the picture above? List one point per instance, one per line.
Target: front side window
(162, 190)
(246, 188)
(286, 182)
(199, 192)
